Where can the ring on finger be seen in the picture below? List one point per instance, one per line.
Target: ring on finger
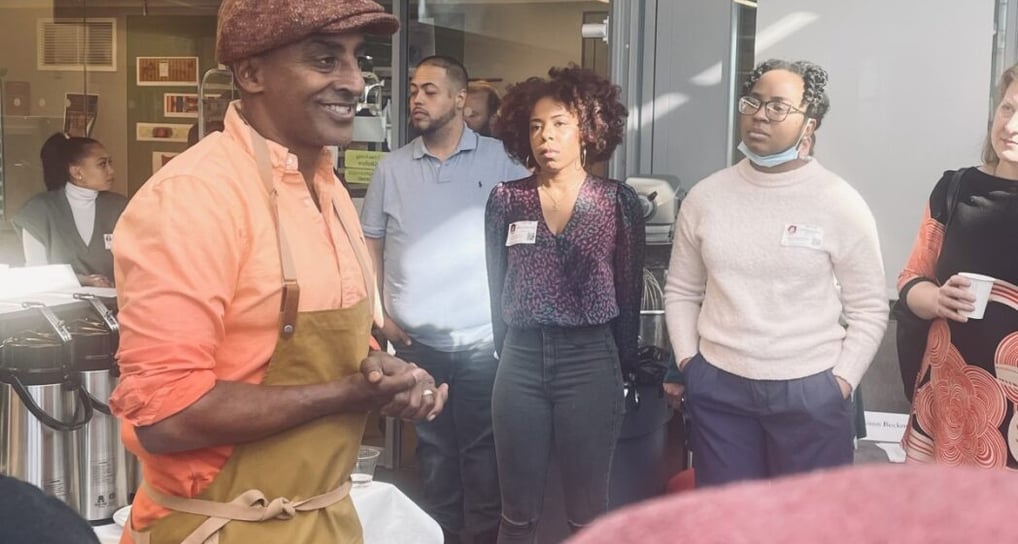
(428, 392)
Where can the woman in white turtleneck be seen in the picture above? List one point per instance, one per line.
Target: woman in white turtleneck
(72, 222)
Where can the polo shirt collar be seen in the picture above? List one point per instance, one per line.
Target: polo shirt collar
(468, 142)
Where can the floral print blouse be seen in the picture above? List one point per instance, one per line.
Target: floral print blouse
(589, 274)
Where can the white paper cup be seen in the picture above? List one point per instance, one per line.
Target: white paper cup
(981, 287)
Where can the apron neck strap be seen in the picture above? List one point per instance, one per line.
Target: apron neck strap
(291, 289)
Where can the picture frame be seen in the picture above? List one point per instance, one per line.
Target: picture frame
(166, 71)
(180, 105)
(80, 112)
(161, 132)
(17, 98)
(160, 158)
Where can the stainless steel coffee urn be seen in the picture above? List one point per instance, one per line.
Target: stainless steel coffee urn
(43, 404)
(99, 460)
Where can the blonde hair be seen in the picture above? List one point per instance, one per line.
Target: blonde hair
(1006, 79)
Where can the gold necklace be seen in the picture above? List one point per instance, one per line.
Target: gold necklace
(554, 201)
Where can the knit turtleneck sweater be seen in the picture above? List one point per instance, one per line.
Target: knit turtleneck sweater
(82, 203)
(776, 276)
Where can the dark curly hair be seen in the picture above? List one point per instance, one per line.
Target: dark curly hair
(813, 76)
(593, 99)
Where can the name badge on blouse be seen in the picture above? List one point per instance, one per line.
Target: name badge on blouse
(108, 239)
(808, 236)
(521, 232)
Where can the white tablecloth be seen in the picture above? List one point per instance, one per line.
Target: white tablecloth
(387, 515)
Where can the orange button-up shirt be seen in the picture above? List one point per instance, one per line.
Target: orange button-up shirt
(199, 281)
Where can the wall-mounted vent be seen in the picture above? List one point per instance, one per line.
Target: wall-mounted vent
(77, 45)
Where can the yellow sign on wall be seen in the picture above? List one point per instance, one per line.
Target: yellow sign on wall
(359, 165)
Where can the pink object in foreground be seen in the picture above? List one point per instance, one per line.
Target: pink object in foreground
(684, 481)
(866, 504)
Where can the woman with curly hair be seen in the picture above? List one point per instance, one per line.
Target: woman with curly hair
(565, 255)
(966, 392)
(769, 256)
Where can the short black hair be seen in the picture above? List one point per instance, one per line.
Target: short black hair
(29, 515)
(454, 70)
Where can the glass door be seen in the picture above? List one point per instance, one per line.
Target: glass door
(502, 42)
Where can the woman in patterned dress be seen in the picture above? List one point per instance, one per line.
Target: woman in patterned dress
(565, 261)
(967, 389)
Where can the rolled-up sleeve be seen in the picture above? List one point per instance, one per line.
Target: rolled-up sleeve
(177, 255)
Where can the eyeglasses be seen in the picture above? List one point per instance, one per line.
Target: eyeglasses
(775, 110)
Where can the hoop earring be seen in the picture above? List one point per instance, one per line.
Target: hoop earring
(526, 163)
(583, 156)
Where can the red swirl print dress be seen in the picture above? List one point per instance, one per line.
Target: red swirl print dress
(966, 395)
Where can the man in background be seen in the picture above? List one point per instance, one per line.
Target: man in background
(482, 105)
(423, 218)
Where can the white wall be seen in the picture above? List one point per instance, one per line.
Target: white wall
(909, 87)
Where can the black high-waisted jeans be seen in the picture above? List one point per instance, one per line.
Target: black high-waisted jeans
(558, 391)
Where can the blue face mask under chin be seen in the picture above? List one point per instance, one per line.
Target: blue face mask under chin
(776, 159)
(770, 161)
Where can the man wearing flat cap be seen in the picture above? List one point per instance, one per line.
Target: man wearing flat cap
(247, 298)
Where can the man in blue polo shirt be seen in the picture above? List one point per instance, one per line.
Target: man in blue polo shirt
(423, 218)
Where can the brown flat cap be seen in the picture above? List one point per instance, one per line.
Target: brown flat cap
(249, 27)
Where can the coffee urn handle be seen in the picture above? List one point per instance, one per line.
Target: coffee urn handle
(82, 410)
(54, 322)
(96, 404)
(104, 313)
(58, 327)
(83, 407)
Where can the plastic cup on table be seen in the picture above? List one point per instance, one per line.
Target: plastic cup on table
(980, 286)
(364, 471)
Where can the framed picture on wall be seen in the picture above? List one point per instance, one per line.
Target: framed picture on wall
(17, 98)
(160, 158)
(80, 111)
(180, 105)
(161, 132)
(167, 71)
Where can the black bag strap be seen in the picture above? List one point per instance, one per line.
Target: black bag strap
(953, 190)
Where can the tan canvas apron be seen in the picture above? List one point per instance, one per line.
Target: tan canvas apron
(291, 487)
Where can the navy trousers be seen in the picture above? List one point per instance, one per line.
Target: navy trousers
(746, 429)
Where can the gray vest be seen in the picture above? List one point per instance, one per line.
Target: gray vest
(48, 218)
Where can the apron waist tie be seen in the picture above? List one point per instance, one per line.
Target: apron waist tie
(251, 505)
